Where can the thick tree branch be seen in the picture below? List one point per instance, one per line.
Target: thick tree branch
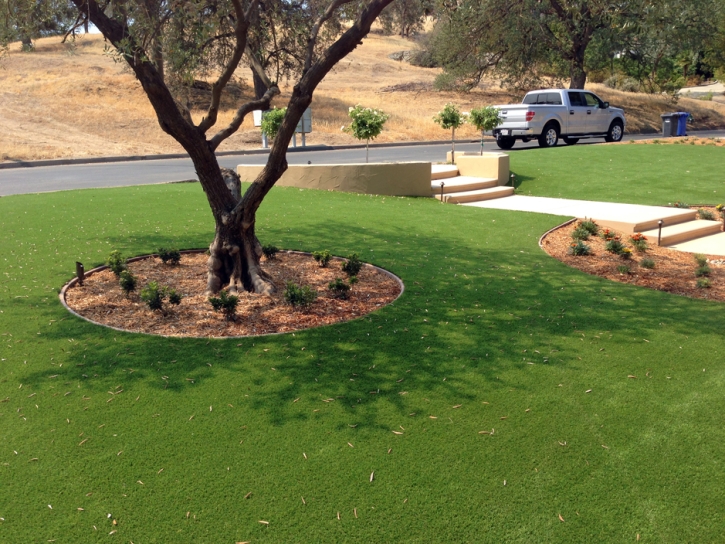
(261, 104)
(312, 39)
(240, 33)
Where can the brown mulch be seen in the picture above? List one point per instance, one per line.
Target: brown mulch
(683, 140)
(674, 271)
(101, 299)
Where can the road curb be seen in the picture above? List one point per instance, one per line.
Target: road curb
(163, 156)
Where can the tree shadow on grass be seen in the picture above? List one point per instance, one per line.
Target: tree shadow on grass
(469, 316)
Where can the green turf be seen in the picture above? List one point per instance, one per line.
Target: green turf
(633, 173)
(487, 322)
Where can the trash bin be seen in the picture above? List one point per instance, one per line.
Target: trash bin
(669, 124)
(682, 123)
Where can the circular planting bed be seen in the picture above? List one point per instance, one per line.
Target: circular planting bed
(656, 267)
(102, 301)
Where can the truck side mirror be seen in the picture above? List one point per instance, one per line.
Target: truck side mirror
(606, 105)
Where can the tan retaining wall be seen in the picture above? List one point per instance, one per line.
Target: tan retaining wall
(395, 179)
(489, 165)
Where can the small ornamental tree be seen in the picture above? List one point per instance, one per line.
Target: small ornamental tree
(450, 117)
(271, 121)
(485, 118)
(367, 124)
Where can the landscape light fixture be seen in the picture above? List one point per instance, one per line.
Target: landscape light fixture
(513, 181)
(80, 273)
(659, 232)
(443, 184)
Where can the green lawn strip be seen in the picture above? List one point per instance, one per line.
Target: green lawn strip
(221, 417)
(635, 174)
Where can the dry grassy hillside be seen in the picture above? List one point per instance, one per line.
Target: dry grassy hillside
(74, 101)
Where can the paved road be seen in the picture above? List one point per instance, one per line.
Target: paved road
(39, 179)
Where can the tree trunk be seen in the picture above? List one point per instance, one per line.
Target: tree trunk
(235, 252)
(577, 72)
(259, 87)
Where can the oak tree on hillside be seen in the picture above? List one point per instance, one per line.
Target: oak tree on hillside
(214, 37)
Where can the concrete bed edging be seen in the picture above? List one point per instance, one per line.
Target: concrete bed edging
(73, 281)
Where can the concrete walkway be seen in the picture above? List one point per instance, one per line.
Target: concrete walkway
(628, 218)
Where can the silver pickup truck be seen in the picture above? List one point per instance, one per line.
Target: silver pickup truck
(552, 113)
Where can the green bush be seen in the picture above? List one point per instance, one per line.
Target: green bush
(639, 241)
(702, 271)
(154, 296)
(367, 123)
(352, 266)
(174, 296)
(225, 303)
(626, 253)
(322, 257)
(127, 281)
(169, 255)
(580, 234)
(647, 262)
(590, 226)
(580, 249)
(271, 121)
(270, 251)
(679, 204)
(297, 296)
(339, 288)
(116, 263)
(704, 283)
(700, 259)
(706, 215)
(623, 269)
(614, 246)
(449, 117)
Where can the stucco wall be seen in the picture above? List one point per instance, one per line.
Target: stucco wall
(395, 179)
(489, 165)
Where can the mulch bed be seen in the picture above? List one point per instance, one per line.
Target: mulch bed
(684, 140)
(101, 300)
(674, 271)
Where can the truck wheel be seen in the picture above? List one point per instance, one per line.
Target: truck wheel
(570, 141)
(616, 131)
(550, 136)
(505, 142)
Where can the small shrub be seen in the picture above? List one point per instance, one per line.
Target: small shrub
(580, 249)
(614, 246)
(679, 204)
(626, 253)
(153, 296)
(339, 288)
(704, 283)
(608, 234)
(580, 233)
(174, 296)
(721, 208)
(322, 257)
(225, 303)
(116, 263)
(270, 251)
(647, 263)
(706, 215)
(702, 271)
(700, 259)
(590, 226)
(127, 281)
(298, 296)
(352, 266)
(623, 269)
(639, 242)
(169, 255)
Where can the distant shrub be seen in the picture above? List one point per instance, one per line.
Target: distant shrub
(297, 296)
(679, 204)
(580, 233)
(169, 255)
(608, 234)
(127, 281)
(352, 266)
(154, 295)
(322, 257)
(639, 241)
(579, 249)
(174, 296)
(647, 262)
(706, 215)
(270, 251)
(702, 271)
(704, 283)
(225, 303)
(339, 288)
(700, 259)
(116, 263)
(626, 253)
(614, 246)
(623, 269)
(629, 85)
(590, 226)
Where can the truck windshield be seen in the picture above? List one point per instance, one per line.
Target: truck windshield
(551, 99)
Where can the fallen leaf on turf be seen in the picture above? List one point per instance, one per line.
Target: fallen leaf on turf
(263, 522)
(338, 516)
(295, 400)
(457, 406)
(631, 376)
(303, 500)
(605, 447)
(354, 511)
(304, 455)
(433, 417)
(139, 482)
(560, 518)
(397, 432)
(372, 475)
(588, 391)
(83, 441)
(350, 445)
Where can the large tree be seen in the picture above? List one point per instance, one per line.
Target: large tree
(27, 20)
(213, 36)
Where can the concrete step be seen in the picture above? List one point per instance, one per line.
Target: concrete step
(443, 171)
(673, 217)
(682, 232)
(461, 183)
(476, 196)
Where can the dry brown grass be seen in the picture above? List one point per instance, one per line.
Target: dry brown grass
(76, 102)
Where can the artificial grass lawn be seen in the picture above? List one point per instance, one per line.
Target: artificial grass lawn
(170, 435)
(634, 173)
